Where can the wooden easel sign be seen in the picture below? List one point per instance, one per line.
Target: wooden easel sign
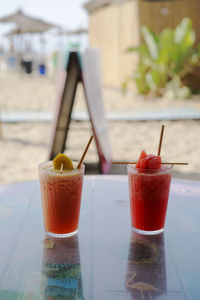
(85, 69)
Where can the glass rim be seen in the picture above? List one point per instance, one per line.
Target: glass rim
(50, 162)
(166, 167)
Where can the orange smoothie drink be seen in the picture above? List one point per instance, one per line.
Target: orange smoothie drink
(61, 198)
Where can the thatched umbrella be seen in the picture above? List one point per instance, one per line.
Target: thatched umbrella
(78, 31)
(26, 24)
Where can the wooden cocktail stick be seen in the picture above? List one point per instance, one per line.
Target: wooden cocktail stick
(159, 150)
(135, 162)
(174, 163)
(123, 162)
(84, 153)
(161, 138)
(61, 168)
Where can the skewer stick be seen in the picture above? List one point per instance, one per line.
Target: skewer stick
(159, 150)
(61, 168)
(135, 162)
(124, 162)
(174, 163)
(84, 153)
(161, 137)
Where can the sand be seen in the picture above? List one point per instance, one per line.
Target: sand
(25, 145)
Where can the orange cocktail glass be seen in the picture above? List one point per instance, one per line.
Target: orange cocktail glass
(61, 198)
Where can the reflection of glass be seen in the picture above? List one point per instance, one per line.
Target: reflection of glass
(146, 272)
(61, 269)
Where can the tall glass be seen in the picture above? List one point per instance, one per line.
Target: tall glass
(61, 199)
(149, 193)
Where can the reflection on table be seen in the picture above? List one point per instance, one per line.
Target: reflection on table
(61, 269)
(146, 270)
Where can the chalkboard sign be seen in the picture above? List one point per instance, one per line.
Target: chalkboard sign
(85, 69)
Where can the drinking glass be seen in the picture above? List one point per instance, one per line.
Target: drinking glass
(148, 194)
(61, 198)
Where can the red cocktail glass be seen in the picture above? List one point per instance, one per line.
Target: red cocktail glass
(149, 193)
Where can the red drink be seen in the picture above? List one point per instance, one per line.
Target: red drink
(61, 199)
(149, 193)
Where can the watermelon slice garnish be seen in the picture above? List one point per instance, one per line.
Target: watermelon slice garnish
(153, 162)
(141, 164)
(150, 161)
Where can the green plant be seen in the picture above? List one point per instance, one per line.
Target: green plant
(165, 59)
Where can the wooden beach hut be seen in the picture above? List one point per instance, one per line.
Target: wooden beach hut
(115, 25)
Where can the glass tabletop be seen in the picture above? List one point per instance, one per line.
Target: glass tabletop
(105, 260)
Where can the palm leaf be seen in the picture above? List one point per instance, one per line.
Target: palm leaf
(151, 41)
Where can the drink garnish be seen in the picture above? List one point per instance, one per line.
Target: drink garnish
(85, 151)
(150, 161)
(63, 163)
(161, 138)
(61, 168)
(162, 163)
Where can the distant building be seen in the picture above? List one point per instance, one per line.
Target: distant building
(115, 25)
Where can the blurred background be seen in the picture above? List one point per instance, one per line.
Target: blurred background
(150, 69)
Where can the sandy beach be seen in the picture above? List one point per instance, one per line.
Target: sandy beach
(25, 144)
